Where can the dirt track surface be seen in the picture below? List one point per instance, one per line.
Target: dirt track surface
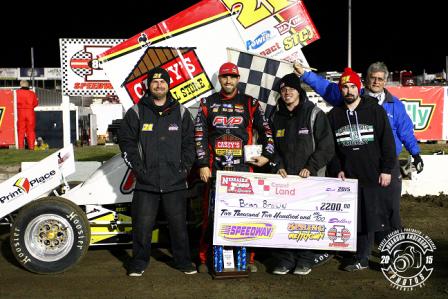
(101, 274)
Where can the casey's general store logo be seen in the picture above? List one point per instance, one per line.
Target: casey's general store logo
(188, 78)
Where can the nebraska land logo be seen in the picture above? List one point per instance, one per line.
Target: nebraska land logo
(188, 78)
(407, 258)
(237, 184)
(420, 114)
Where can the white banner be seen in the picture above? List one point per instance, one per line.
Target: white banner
(35, 181)
(266, 210)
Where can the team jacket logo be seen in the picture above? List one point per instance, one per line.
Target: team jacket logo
(227, 121)
(420, 114)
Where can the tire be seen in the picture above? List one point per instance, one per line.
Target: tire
(50, 235)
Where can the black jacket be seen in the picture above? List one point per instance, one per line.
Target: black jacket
(167, 144)
(293, 138)
(365, 145)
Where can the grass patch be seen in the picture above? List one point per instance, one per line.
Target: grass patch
(86, 153)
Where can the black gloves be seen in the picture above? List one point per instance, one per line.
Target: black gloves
(418, 163)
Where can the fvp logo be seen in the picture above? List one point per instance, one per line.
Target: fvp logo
(419, 113)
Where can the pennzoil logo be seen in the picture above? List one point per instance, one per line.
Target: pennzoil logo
(246, 231)
(188, 79)
(237, 184)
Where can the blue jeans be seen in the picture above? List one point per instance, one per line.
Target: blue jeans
(145, 206)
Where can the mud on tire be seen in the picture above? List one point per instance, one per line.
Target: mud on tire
(50, 235)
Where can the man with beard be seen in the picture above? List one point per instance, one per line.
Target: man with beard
(400, 122)
(223, 127)
(365, 150)
(156, 139)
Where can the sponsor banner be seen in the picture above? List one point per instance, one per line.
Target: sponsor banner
(208, 27)
(82, 73)
(35, 181)
(7, 124)
(425, 107)
(52, 73)
(266, 210)
(9, 73)
(27, 73)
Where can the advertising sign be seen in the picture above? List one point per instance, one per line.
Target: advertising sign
(266, 210)
(192, 44)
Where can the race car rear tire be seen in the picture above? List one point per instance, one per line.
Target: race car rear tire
(50, 235)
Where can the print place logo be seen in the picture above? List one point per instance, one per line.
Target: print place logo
(407, 258)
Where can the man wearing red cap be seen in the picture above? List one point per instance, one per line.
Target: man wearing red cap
(365, 150)
(224, 125)
(26, 119)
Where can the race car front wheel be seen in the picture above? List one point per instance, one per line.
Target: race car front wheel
(50, 235)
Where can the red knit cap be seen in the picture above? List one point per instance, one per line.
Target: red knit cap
(349, 76)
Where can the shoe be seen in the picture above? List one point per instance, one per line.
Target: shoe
(203, 268)
(135, 273)
(302, 270)
(252, 268)
(281, 270)
(188, 269)
(356, 266)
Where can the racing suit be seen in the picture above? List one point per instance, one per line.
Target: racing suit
(223, 126)
(26, 119)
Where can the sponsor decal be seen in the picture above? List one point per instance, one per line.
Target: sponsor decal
(147, 127)
(305, 232)
(302, 37)
(25, 185)
(246, 231)
(227, 122)
(128, 182)
(237, 184)
(339, 235)
(286, 26)
(280, 133)
(173, 127)
(228, 144)
(271, 49)
(2, 113)
(259, 40)
(407, 258)
(303, 131)
(188, 79)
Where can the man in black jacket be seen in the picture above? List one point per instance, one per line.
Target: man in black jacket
(304, 145)
(365, 150)
(156, 139)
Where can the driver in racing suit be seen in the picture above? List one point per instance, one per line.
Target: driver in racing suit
(224, 124)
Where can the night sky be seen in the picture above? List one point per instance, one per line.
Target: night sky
(403, 35)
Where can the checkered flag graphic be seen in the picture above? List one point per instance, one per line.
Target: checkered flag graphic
(260, 76)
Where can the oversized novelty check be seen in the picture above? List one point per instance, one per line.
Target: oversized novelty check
(266, 210)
